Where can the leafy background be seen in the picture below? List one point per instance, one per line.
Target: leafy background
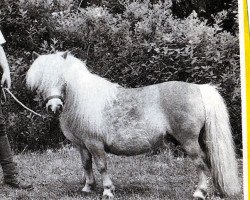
(133, 43)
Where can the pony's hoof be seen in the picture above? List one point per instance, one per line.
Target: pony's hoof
(199, 194)
(107, 195)
(87, 189)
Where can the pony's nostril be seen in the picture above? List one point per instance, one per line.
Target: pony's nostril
(60, 107)
(49, 108)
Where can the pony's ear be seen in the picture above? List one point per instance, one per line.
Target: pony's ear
(35, 55)
(65, 54)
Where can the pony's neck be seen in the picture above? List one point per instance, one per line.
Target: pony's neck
(87, 95)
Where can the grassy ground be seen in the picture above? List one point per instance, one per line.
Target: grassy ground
(58, 175)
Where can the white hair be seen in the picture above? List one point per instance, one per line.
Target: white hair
(46, 72)
(86, 94)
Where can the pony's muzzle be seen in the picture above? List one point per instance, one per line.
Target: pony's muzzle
(56, 110)
(54, 106)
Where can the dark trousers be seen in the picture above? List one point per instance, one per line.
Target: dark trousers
(6, 155)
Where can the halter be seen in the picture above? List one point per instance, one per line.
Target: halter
(54, 97)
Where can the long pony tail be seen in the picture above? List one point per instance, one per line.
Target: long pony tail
(219, 142)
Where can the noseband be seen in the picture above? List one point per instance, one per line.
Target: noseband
(53, 97)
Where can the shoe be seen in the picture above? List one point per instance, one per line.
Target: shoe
(17, 183)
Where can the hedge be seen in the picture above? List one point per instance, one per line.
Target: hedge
(143, 45)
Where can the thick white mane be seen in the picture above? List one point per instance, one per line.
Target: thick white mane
(46, 72)
(86, 94)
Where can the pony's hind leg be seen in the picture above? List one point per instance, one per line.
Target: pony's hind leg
(194, 150)
(88, 171)
(96, 149)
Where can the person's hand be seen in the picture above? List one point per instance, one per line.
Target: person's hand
(6, 81)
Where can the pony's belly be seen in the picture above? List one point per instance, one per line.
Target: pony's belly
(136, 131)
(133, 143)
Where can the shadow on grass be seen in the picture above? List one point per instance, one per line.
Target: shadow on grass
(72, 189)
(139, 190)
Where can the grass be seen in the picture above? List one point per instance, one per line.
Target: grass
(58, 175)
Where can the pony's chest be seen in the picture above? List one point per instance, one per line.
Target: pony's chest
(71, 130)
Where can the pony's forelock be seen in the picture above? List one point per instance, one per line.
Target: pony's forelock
(45, 72)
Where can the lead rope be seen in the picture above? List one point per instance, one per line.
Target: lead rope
(19, 102)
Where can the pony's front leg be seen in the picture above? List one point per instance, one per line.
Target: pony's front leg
(99, 156)
(88, 171)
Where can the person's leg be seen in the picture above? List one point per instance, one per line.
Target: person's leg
(7, 163)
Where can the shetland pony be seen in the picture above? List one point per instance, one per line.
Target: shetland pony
(99, 116)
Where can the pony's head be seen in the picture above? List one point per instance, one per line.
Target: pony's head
(46, 77)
